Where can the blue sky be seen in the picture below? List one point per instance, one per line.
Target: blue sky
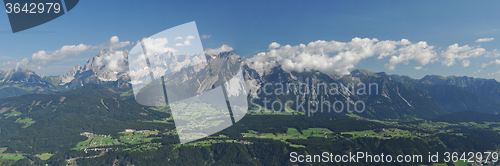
(251, 26)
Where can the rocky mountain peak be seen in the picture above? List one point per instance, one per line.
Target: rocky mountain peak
(70, 75)
(20, 75)
(362, 73)
(99, 69)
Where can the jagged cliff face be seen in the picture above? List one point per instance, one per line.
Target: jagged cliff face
(70, 75)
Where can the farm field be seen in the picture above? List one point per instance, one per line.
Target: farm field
(291, 133)
(12, 113)
(10, 156)
(44, 156)
(264, 111)
(26, 121)
(210, 142)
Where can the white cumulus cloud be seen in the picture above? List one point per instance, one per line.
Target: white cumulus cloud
(492, 54)
(340, 57)
(114, 61)
(456, 52)
(157, 45)
(42, 58)
(274, 45)
(494, 73)
(114, 43)
(419, 52)
(186, 42)
(484, 40)
(206, 36)
(217, 51)
(495, 62)
(114, 39)
(465, 63)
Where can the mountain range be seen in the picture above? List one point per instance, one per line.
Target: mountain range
(393, 97)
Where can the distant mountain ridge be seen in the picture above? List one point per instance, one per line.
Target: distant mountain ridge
(458, 93)
(20, 75)
(485, 87)
(387, 100)
(15, 82)
(399, 97)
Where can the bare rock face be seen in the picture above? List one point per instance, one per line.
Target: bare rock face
(104, 68)
(70, 75)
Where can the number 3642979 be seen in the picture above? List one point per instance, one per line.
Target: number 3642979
(33, 8)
